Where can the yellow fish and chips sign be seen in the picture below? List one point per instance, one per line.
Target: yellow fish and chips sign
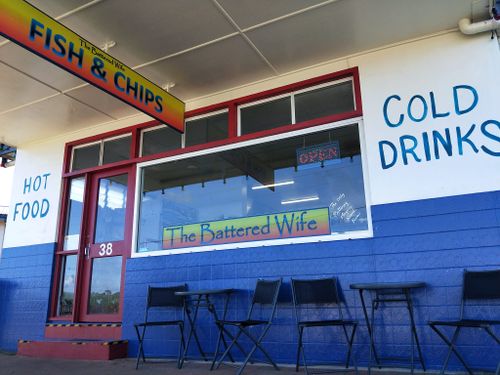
(256, 228)
(34, 30)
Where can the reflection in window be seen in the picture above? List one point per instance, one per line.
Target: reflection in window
(104, 295)
(266, 115)
(314, 171)
(116, 150)
(206, 129)
(74, 214)
(86, 157)
(67, 285)
(112, 203)
(159, 140)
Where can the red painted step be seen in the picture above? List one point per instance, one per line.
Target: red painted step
(98, 350)
(84, 331)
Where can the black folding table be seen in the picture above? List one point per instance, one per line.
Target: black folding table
(390, 292)
(202, 298)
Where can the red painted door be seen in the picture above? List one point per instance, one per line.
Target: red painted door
(106, 245)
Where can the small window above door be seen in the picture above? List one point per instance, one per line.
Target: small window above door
(106, 151)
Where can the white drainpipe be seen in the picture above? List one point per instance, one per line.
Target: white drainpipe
(469, 28)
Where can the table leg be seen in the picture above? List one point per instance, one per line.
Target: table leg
(409, 303)
(192, 331)
(368, 326)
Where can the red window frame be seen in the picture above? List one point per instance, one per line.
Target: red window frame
(232, 107)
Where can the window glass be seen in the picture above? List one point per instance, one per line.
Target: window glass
(74, 214)
(206, 129)
(266, 115)
(116, 150)
(104, 297)
(160, 140)
(295, 187)
(111, 209)
(324, 101)
(86, 157)
(67, 285)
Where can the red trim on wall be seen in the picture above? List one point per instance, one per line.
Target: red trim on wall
(346, 73)
(118, 164)
(120, 248)
(232, 105)
(111, 133)
(247, 137)
(233, 120)
(135, 144)
(357, 91)
(81, 246)
(60, 240)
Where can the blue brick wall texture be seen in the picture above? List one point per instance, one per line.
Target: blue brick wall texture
(430, 240)
(25, 279)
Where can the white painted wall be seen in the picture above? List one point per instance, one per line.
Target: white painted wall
(41, 161)
(33, 209)
(434, 64)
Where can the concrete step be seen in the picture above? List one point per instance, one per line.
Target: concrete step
(73, 349)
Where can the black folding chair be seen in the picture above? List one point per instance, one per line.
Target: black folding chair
(313, 297)
(163, 298)
(266, 294)
(482, 285)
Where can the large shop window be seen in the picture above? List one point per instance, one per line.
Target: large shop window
(286, 189)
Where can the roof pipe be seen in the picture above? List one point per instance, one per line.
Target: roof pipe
(467, 27)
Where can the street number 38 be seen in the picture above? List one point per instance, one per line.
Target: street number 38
(105, 249)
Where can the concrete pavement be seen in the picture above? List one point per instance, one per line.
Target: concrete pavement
(11, 364)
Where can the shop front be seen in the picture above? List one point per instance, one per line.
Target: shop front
(377, 167)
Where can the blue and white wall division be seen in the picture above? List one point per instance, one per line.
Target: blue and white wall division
(431, 142)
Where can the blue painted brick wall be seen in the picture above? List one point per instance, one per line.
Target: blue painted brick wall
(430, 240)
(25, 278)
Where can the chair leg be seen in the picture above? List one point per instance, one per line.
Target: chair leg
(451, 345)
(350, 342)
(299, 349)
(228, 349)
(224, 331)
(140, 350)
(448, 355)
(237, 344)
(182, 345)
(348, 354)
(257, 345)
